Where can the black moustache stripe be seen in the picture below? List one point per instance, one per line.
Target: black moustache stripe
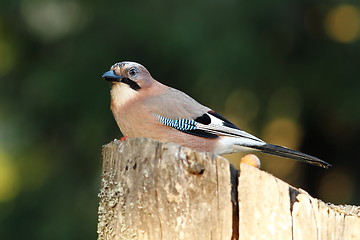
(131, 83)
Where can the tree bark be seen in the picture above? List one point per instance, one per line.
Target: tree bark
(152, 190)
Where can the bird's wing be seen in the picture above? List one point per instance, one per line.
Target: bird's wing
(174, 104)
(208, 125)
(176, 109)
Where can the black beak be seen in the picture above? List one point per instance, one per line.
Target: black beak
(112, 77)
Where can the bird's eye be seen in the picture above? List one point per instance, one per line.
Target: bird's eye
(133, 72)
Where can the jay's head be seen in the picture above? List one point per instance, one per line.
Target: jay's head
(132, 74)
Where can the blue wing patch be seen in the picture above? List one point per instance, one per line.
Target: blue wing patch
(179, 124)
(186, 126)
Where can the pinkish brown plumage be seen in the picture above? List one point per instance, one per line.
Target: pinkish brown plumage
(139, 109)
(144, 107)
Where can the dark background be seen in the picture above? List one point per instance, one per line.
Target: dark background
(286, 71)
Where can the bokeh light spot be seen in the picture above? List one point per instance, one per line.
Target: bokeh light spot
(241, 107)
(336, 186)
(52, 20)
(7, 56)
(9, 178)
(342, 23)
(285, 132)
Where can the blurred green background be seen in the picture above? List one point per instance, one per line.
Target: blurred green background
(286, 71)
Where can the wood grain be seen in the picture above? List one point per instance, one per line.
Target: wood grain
(157, 191)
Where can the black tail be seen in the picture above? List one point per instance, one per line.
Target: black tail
(289, 153)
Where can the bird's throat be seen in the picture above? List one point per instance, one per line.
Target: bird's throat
(121, 94)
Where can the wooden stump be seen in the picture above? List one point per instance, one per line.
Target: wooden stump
(157, 191)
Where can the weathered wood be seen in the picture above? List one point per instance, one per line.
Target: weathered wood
(271, 209)
(163, 191)
(152, 190)
(264, 205)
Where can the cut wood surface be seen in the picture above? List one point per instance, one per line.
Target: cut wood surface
(157, 191)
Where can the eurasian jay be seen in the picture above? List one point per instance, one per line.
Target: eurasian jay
(144, 107)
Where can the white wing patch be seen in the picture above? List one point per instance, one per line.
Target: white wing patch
(218, 127)
(215, 120)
